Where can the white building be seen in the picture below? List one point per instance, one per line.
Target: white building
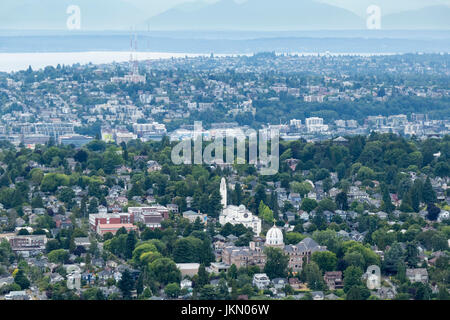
(188, 269)
(17, 295)
(125, 137)
(261, 281)
(237, 215)
(240, 215)
(315, 124)
(296, 123)
(192, 216)
(147, 131)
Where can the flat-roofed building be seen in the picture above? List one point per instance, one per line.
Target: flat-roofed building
(151, 216)
(105, 218)
(192, 216)
(75, 139)
(188, 269)
(54, 130)
(103, 229)
(28, 242)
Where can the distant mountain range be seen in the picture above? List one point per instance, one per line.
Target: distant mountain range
(388, 7)
(260, 15)
(435, 17)
(221, 15)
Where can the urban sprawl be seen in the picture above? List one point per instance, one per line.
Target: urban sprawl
(92, 207)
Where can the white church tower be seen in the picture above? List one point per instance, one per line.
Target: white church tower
(223, 192)
(237, 215)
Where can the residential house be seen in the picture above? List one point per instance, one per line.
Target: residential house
(280, 283)
(386, 293)
(17, 295)
(417, 275)
(82, 242)
(333, 280)
(261, 281)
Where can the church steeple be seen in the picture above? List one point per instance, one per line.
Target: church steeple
(223, 192)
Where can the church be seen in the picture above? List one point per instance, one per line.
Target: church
(237, 214)
(254, 254)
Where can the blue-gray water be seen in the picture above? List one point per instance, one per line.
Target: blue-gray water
(229, 42)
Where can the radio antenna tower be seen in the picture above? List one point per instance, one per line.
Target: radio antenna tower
(134, 66)
(131, 49)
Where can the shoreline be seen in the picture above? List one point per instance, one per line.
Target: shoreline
(18, 61)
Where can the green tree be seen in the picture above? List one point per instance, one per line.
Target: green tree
(358, 293)
(130, 245)
(187, 250)
(260, 194)
(207, 292)
(411, 254)
(37, 202)
(313, 276)
(415, 194)
(326, 260)
(58, 256)
(276, 263)
(214, 204)
(21, 279)
(140, 250)
(342, 201)
(433, 212)
(352, 278)
(428, 193)
(66, 195)
(386, 205)
(238, 194)
(126, 284)
(265, 213)
(392, 258)
(164, 270)
(232, 272)
(294, 238)
(383, 238)
(172, 290)
(203, 277)
(308, 205)
(302, 188)
(36, 176)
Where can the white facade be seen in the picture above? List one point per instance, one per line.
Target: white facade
(237, 215)
(274, 237)
(315, 124)
(240, 215)
(296, 123)
(261, 281)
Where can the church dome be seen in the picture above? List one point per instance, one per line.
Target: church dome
(274, 237)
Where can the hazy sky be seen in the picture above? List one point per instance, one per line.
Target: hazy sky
(387, 6)
(357, 6)
(163, 5)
